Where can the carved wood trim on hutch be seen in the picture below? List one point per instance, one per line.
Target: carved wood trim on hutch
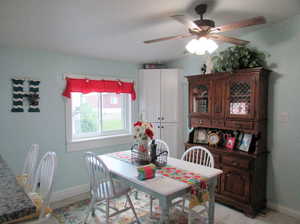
(234, 101)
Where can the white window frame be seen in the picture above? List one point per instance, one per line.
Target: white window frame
(110, 138)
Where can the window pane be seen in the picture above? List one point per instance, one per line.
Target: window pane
(85, 114)
(112, 112)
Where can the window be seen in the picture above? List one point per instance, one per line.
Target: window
(98, 117)
(114, 100)
(96, 114)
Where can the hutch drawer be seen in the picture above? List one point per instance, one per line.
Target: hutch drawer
(200, 122)
(218, 123)
(248, 125)
(237, 162)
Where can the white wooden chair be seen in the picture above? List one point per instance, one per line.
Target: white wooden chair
(103, 188)
(161, 146)
(43, 185)
(27, 177)
(199, 155)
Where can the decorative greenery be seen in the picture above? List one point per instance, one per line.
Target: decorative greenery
(238, 57)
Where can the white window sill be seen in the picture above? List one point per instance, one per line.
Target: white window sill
(94, 143)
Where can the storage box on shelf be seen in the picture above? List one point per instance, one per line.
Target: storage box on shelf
(234, 101)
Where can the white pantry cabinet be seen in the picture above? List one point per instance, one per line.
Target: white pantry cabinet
(169, 133)
(160, 102)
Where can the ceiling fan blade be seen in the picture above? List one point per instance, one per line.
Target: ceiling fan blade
(168, 38)
(231, 40)
(186, 20)
(240, 24)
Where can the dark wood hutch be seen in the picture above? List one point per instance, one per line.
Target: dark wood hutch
(234, 101)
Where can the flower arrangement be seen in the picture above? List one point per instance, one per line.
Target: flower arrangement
(143, 131)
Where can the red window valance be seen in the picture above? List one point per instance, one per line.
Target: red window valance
(109, 86)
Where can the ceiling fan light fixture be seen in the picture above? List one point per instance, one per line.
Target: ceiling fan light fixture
(201, 46)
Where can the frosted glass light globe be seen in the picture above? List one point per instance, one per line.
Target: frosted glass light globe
(201, 46)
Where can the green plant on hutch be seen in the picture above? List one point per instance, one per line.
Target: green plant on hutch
(238, 57)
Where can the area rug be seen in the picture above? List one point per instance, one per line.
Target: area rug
(76, 212)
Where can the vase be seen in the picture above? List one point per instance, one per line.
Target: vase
(143, 153)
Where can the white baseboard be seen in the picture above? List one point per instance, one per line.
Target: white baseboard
(285, 210)
(70, 192)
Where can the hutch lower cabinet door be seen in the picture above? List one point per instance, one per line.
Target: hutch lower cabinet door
(235, 183)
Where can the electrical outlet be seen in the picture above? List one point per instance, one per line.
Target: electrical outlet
(283, 117)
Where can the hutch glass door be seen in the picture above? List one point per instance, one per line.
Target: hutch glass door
(200, 99)
(241, 97)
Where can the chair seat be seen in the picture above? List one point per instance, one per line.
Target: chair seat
(120, 189)
(38, 202)
(22, 180)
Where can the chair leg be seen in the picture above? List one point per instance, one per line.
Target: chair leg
(133, 210)
(91, 206)
(107, 211)
(190, 217)
(151, 205)
(93, 212)
(183, 203)
(125, 204)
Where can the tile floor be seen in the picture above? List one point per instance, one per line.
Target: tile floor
(224, 215)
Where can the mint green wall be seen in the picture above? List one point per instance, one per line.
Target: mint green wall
(47, 128)
(282, 41)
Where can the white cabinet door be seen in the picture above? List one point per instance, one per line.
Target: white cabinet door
(169, 95)
(169, 135)
(157, 130)
(150, 95)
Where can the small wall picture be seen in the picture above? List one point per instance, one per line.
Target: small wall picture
(239, 139)
(200, 136)
(246, 142)
(230, 141)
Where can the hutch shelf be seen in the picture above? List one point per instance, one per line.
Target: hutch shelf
(237, 102)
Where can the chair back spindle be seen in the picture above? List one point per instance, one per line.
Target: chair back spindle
(43, 184)
(101, 184)
(29, 168)
(161, 146)
(199, 155)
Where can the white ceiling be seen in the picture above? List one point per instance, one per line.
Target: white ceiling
(116, 29)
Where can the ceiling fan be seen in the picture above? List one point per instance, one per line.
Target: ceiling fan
(206, 28)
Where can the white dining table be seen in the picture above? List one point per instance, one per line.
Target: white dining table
(163, 188)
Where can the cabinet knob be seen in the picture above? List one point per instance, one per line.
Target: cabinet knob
(158, 126)
(158, 118)
(200, 122)
(162, 126)
(234, 163)
(162, 118)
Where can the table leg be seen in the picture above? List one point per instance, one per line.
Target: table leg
(164, 208)
(211, 208)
